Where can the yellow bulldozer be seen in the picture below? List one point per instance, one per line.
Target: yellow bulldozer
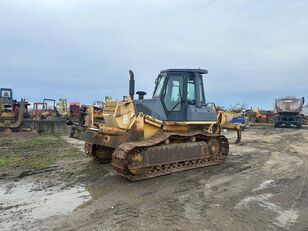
(12, 112)
(173, 131)
(45, 110)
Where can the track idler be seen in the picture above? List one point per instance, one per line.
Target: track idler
(99, 153)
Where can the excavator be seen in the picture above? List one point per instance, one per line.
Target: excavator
(175, 130)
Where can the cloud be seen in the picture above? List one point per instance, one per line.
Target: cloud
(82, 50)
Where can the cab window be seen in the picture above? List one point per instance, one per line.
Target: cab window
(191, 95)
(174, 93)
(159, 85)
(6, 93)
(202, 96)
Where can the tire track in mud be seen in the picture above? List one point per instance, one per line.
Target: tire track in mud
(296, 146)
(288, 144)
(305, 165)
(279, 149)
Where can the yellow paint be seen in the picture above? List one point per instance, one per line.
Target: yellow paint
(119, 114)
(150, 130)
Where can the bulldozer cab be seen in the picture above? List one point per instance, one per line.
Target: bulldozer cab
(177, 89)
(50, 104)
(178, 96)
(39, 106)
(6, 94)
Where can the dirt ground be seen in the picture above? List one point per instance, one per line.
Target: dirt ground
(47, 183)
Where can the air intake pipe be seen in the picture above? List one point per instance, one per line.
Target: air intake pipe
(131, 84)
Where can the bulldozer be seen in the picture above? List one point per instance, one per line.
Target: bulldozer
(175, 130)
(12, 112)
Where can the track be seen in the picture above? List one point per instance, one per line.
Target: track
(121, 158)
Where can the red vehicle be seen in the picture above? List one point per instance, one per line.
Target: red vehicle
(74, 111)
(43, 110)
(38, 109)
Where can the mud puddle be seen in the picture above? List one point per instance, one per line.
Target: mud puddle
(30, 201)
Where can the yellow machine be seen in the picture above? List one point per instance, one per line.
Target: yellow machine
(12, 113)
(174, 131)
(225, 119)
(63, 108)
(43, 110)
(226, 123)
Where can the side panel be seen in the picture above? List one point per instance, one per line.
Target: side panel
(151, 107)
(204, 113)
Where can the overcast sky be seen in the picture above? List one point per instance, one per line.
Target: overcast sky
(82, 49)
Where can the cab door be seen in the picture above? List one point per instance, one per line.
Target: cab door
(174, 97)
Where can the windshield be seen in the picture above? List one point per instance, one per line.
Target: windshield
(40, 106)
(159, 85)
(6, 93)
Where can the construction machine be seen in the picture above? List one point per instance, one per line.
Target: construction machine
(288, 111)
(231, 121)
(12, 112)
(63, 108)
(173, 131)
(74, 111)
(45, 110)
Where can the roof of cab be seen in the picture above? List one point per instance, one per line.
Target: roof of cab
(200, 71)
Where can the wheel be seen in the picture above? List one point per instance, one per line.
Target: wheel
(102, 154)
(214, 147)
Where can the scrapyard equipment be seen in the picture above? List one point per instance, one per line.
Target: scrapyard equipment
(98, 112)
(63, 108)
(74, 109)
(265, 116)
(234, 121)
(231, 121)
(305, 114)
(305, 120)
(38, 108)
(12, 112)
(174, 131)
(45, 110)
(288, 111)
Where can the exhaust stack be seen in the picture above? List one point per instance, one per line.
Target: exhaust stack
(131, 84)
